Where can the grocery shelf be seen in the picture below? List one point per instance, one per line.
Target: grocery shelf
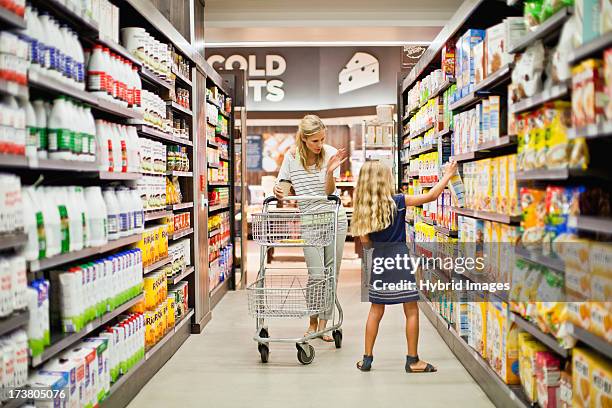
(63, 165)
(445, 85)
(425, 149)
(181, 234)
(156, 215)
(593, 47)
(42, 80)
(214, 232)
(156, 265)
(465, 102)
(58, 9)
(594, 341)
(444, 132)
(497, 78)
(535, 331)
(222, 136)
(13, 240)
(107, 106)
(46, 263)
(589, 223)
(177, 173)
(487, 149)
(213, 102)
(11, 20)
(13, 160)
(188, 271)
(426, 220)
(212, 144)
(446, 231)
(219, 207)
(549, 261)
(414, 174)
(14, 403)
(115, 175)
(544, 31)
(163, 136)
(209, 122)
(224, 114)
(122, 380)
(555, 92)
(599, 130)
(117, 49)
(13, 88)
(213, 165)
(224, 158)
(421, 131)
(61, 341)
(503, 394)
(179, 108)
(487, 215)
(14, 321)
(181, 206)
(170, 333)
(182, 78)
(558, 174)
(154, 79)
(218, 185)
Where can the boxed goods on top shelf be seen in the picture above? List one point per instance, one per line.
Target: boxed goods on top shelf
(153, 54)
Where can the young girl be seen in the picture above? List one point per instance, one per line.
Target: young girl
(379, 216)
(312, 170)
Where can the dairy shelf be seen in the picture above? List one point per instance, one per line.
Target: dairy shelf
(181, 206)
(487, 215)
(11, 20)
(154, 79)
(182, 78)
(503, 394)
(156, 265)
(60, 341)
(80, 24)
(537, 257)
(170, 333)
(179, 108)
(600, 130)
(181, 234)
(43, 81)
(549, 28)
(115, 175)
(13, 240)
(156, 215)
(593, 47)
(13, 88)
(188, 271)
(151, 132)
(117, 49)
(590, 223)
(592, 340)
(14, 321)
(535, 331)
(555, 92)
(117, 110)
(46, 263)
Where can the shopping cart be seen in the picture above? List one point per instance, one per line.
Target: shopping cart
(291, 292)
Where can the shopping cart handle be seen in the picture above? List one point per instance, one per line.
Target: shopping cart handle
(335, 198)
(269, 200)
(330, 197)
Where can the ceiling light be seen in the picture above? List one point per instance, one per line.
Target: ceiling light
(240, 44)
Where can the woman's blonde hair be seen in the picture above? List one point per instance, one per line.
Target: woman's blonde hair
(309, 125)
(374, 208)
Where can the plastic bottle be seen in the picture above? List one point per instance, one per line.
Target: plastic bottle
(125, 211)
(123, 138)
(41, 127)
(112, 208)
(91, 133)
(117, 147)
(58, 131)
(97, 216)
(97, 75)
(67, 63)
(138, 213)
(110, 74)
(134, 152)
(137, 88)
(47, 56)
(79, 60)
(104, 146)
(51, 219)
(31, 34)
(31, 128)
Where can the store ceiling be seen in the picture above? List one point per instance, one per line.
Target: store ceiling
(321, 22)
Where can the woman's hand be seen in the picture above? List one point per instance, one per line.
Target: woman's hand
(451, 169)
(336, 160)
(278, 192)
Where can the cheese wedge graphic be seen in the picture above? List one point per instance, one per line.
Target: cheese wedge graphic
(361, 71)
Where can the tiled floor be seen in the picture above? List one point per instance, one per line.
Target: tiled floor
(221, 367)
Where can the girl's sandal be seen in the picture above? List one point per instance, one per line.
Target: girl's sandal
(326, 338)
(410, 360)
(366, 363)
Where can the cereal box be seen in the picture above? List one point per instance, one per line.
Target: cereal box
(501, 198)
(495, 186)
(583, 362)
(448, 60)
(601, 384)
(548, 376)
(486, 120)
(496, 51)
(528, 347)
(479, 62)
(478, 324)
(558, 120)
(502, 343)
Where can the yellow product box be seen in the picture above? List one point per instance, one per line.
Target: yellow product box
(577, 282)
(601, 384)
(600, 258)
(486, 185)
(150, 335)
(600, 320)
(159, 330)
(164, 241)
(150, 286)
(559, 119)
(170, 303)
(528, 347)
(578, 310)
(502, 342)
(478, 325)
(495, 186)
(501, 198)
(583, 362)
(513, 196)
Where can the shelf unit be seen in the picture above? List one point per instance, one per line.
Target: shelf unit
(14, 321)
(156, 265)
(535, 331)
(11, 20)
(151, 132)
(12, 240)
(549, 28)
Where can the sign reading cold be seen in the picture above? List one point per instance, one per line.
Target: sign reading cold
(268, 87)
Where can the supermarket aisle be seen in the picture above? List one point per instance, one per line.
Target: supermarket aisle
(221, 367)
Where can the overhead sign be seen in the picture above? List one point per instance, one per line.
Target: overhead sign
(313, 78)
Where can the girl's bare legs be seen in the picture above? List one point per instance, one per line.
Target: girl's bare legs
(411, 311)
(374, 317)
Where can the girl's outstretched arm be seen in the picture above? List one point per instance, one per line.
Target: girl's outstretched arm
(435, 191)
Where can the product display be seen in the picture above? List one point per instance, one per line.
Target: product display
(154, 54)
(154, 244)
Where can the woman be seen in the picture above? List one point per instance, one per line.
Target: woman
(379, 221)
(312, 170)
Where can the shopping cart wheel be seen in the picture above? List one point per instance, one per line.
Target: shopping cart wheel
(263, 333)
(306, 353)
(337, 335)
(264, 352)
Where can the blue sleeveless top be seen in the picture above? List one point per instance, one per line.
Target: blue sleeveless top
(396, 232)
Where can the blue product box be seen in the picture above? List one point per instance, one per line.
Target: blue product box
(469, 40)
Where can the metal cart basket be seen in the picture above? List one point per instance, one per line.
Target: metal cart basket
(286, 292)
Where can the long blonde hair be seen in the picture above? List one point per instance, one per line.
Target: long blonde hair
(374, 208)
(309, 125)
